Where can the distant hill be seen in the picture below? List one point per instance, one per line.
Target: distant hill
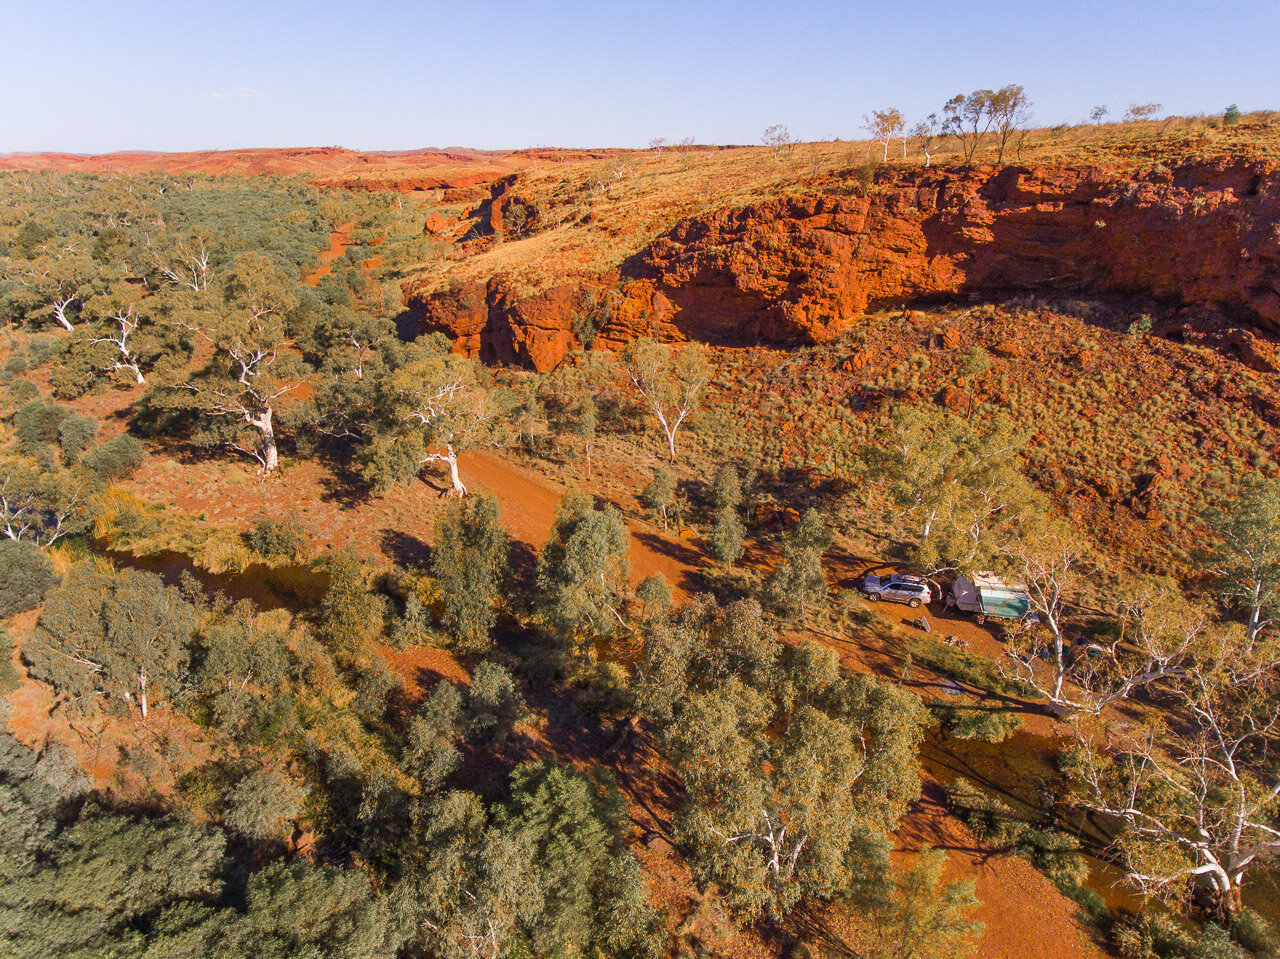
(331, 166)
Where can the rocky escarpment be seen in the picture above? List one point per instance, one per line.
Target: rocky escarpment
(799, 269)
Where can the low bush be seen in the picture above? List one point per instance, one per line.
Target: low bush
(8, 675)
(117, 458)
(22, 391)
(278, 538)
(76, 434)
(986, 725)
(36, 424)
(25, 576)
(965, 666)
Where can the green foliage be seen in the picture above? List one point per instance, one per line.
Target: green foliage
(965, 666)
(8, 675)
(921, 920)
(350, 615)
(1247, 552)
(472, 888)
(118, 458)
(654, 595)
(727, 536)
(1231, 116)
(799, 581)
(263, 804)
(36, 424)
(76, 434)
(124, 635)
(794, 772)
(726, 488)
(1159, 935)
(469, 562)
(990, 819)
(26, 575)
(983, 724)
(660, 494)
(274, 538)
(594, 892)
(431, 754)
(494, 704)
(243, 666)
(944, 472)
(21, 391)
(1258, 936)
(87, 887)
(582, 570)
(1141, 326)
(292, 910)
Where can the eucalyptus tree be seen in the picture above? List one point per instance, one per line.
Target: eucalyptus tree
(432, 409)
(125, 636)
(252, 366)
(670, 381)
(583, 570)
(1197, 798)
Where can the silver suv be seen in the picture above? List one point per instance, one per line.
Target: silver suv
(898, 588)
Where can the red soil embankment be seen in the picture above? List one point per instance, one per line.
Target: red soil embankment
(801, 269)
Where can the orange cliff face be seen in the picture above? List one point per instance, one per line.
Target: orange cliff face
(798, 270)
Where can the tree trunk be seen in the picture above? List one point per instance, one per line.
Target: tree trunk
(267, 433)
(458, 488)
(142, 693)
(60, 313)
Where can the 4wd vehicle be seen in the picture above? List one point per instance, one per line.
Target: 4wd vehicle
(898, 588)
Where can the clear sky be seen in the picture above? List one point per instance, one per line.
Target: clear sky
(100, 75)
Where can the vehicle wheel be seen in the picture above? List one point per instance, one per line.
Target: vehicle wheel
(914, 604)
(873, 597)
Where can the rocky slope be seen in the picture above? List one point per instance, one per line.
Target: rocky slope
(800, 269)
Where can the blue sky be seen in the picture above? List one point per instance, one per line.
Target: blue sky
(100, 75)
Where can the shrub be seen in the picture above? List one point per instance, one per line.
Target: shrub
(727, 535)
(8, 675)
(25, 576)
(1057, 855)
(494, 704)
(1141, 326)
(14, 365)
(1231, 116)
(989, 818)
(278, 538)
(76, 434)
(117, 458)
(1256, 934)
(262, 804)
(37, 423)
(39, 350)
(22, 391)
(660, 494)
(986, 725)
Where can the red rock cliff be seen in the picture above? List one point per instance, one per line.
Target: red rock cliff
(797, 270)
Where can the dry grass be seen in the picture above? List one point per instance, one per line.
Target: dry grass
(595, 213)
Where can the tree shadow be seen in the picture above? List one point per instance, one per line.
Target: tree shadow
(405, 548)
(689, 557)
(341, 482)
(523, 562)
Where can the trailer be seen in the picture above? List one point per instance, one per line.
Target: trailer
(989, 597)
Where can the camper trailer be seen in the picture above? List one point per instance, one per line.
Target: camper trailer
(985, 596)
